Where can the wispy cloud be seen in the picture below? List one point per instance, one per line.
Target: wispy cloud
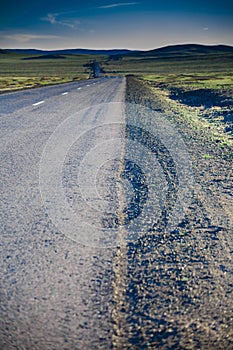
(53, 18)
(118, 5)
(205, 28)
(24, 38)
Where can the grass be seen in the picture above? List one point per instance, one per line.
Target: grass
(207, 156)
(206, 71)
(172, 67)
(17, 73)
(209, 80)
(15, 83)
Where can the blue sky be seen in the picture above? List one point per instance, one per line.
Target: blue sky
(146, 24)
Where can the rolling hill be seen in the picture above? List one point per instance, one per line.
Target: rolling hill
(166, 51)
(71, 52)
(186, 50)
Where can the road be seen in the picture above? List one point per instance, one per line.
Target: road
(108, 239)
(55, 292)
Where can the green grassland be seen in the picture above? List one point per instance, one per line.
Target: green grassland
(213, 71)
(19, 71)
(210, 71)
(209, 80)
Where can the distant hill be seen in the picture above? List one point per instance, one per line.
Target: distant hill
(186, 50)
(182, 50)
(50, 56)
(72, 52)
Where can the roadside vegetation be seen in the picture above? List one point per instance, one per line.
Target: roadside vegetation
(171, 67)
(198, 87)
(19, 71)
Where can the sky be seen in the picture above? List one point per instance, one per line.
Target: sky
(107, 24)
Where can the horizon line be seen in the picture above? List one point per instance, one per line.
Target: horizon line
(114, 48)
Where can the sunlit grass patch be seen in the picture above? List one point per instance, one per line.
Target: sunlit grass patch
(16, 72)
(9, 83)
(194, 80)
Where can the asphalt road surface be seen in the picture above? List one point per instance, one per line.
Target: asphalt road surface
(55, 292)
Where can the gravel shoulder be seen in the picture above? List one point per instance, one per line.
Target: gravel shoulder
(178, 286)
